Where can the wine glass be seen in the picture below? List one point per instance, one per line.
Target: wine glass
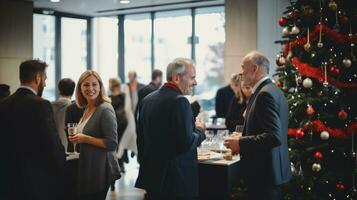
(209, 137)
(222, 135)
(72, 130)
(239, 129)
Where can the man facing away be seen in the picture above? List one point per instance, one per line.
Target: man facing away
(156, 81)
(65, 90)
(263, 146)
(168, 137)
(33, 155)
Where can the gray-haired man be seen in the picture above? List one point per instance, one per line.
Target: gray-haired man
(168, 138)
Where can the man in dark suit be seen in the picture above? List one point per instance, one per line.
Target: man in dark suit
(33, 155)
(168, 137)
(156, 81)
(223, 99)
(263, 146)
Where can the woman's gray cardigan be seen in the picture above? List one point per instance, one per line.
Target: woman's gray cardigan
(98, 167)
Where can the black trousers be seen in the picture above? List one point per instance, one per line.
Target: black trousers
(95, 196)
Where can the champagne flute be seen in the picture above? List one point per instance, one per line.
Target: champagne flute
(72, 130)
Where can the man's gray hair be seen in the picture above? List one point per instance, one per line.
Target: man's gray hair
(257, 58)
(177, 66)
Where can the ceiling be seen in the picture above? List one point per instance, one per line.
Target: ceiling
(113, 7)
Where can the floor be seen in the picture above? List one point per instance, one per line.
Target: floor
(124, 187)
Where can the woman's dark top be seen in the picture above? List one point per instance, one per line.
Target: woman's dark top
(118, 103)
(234, 115)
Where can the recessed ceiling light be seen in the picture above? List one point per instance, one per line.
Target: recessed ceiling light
(55, 1)
(124, 1)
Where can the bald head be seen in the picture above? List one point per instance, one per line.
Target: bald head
(259, 59)
(255, 66)
(132, 76)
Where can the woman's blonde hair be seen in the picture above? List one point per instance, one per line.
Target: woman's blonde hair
(237, 79)
(102, 97)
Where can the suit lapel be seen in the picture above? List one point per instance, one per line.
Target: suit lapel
(250, 103)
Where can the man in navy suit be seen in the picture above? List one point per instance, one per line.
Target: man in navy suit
(263, 146)
(168, 137)
(33, 156)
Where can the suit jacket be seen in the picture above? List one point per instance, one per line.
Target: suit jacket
(142, 93)
(98, 167)
(72, 115)
(264, 145)
(167, 144)
(59, 109)
(33, 155)
(223, 98)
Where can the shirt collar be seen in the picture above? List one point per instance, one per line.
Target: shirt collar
(29, 88)
(258, 83)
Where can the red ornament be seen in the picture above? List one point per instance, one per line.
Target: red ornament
(299, 133)
(342, 115)
(334, 70)
(310, 110)
(279, 84)
(282, 21)
(343, 19)
(340, 186)
(318, 155)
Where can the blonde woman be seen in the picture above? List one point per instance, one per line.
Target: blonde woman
(97, 136)
(242, 92)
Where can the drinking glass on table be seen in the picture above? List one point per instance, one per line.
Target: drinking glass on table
(72, 130)
(222, 135)
(239, 129)
(209, 137)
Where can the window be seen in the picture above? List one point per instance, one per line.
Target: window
(74, 47)
(138, 46)
(209, 53)
(172, 32)
(43, 49)
(105, 48)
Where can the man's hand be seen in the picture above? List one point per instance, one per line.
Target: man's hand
(233, 143)
(201, 124)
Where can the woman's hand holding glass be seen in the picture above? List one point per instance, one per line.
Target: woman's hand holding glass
(72, 132)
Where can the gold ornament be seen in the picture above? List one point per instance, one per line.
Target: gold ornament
(332, 5)
(316, 167)
(307, 10)
(307, 45)
(347, 62)
(295, 30)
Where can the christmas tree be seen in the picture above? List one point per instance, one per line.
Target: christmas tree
(318, 74)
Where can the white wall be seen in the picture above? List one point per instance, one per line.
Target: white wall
(241, 33)
(268, 28)
(16, 22)
(252, 25)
